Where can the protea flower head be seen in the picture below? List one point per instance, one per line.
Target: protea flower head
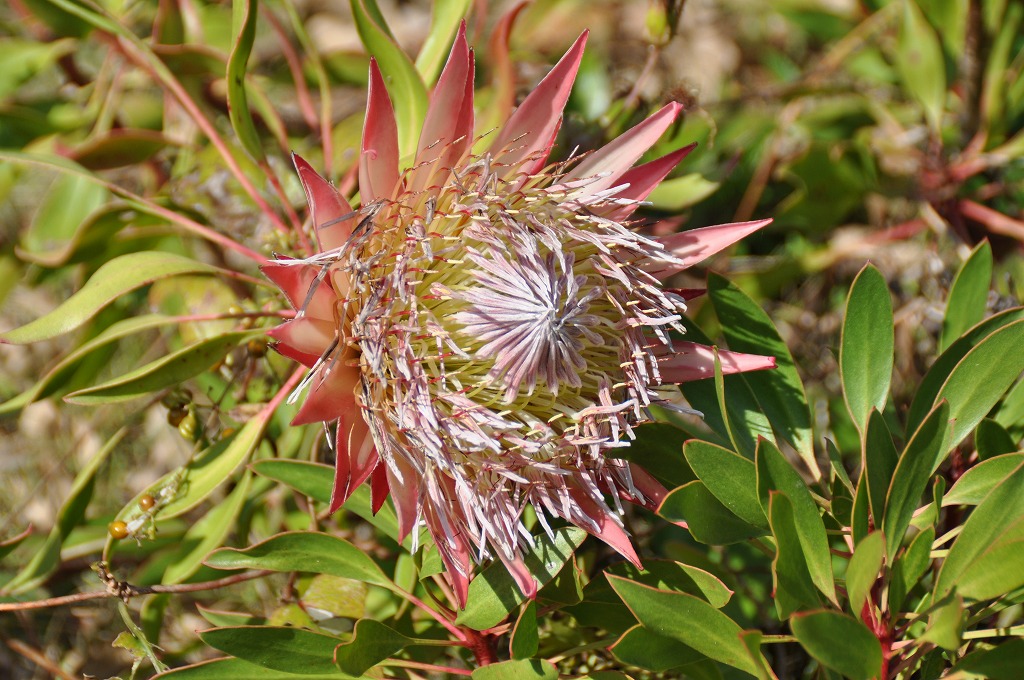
(486, 329)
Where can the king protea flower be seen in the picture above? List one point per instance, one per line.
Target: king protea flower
(486, 330)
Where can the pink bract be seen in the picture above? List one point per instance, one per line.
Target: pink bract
(486, 329)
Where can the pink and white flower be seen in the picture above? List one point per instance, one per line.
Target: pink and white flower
(486, 329)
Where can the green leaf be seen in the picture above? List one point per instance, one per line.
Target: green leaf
(919, 459)
(371, 643)
(689, 620)
(920, 63)
(982, 377)
(58, 378)
(310, 479)
(774, 473)
(731, 478)
(187, 487)
(993, 534)
(678, 193)
(69, 202)
(206, 534)
(523, 669)
(113, 279)
(998, 663)
(287, 649)
(676, 576)
(710, 522)
(779, 391)
(909, 567)
(120, 147)
(864, 569)
(839, 642)
(408, 93)
(71, 514)
(968, 295)
(945, 624)
(746, 421)
(978, 482)
(644, 648)
(167, 371)
(236, 669)
(329, 596)
(934, 381)
(866, 347)
(493, 593)
(861, 514)
(794, 587)
(657, 449)
(444, 22)
(243, 19)
(304, 551)
(525, 640)
(991, 439)
(880, 460)
(9, 545)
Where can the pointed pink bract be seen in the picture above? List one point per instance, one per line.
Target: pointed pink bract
(696, 245)
(378, 162)
(529, 132)
(697, 362)
(326, 207)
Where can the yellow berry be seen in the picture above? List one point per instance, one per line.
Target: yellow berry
(147, 502)
(189, 427)
(118, 530)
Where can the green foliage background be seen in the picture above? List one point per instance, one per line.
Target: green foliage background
(858, 512)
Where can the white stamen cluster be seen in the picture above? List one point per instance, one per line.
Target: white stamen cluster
(507, 338)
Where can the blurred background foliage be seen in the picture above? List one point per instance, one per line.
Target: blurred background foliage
(881, 131)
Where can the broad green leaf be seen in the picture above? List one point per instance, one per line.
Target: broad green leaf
(975, 484)
(997, 571)
(408, 93)
(56, 379)
(746, 421)
(68, 203)
(304, 551)
(989, 537)
(329, 596)
(920, 63)
(730, 477)
(779, 391)
(794, 589)
(689, 620)
(710, 522)
(774, 473)
(966, 304)
(864, 569)
(861, 514)
(493, 593)
(371, 643)
(945, 624)
(998, 663)
(927, 393)
(839, 642)
(113, 279)
(880, 460)
(991, 439)
(866, 347)
(525, 640)
(167, 371)
(919, 459)
(71, 514)
(982, 377)
(8, 545)
(676, 576)
(998, 89)
(523, 669)
(444, 22)
(21, 60)
(243, 19)
(185, 488)
(206, 534)
(236, 669)
(909, 567)
(644, 648)
(657, 449)
(120, 147)
(679, 193)
(225, 619)
(310, 479)
(287, 649)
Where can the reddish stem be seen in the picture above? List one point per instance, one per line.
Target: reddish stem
(482, 645)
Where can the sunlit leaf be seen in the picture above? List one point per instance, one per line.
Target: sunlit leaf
(968, 294)
(866, 348)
